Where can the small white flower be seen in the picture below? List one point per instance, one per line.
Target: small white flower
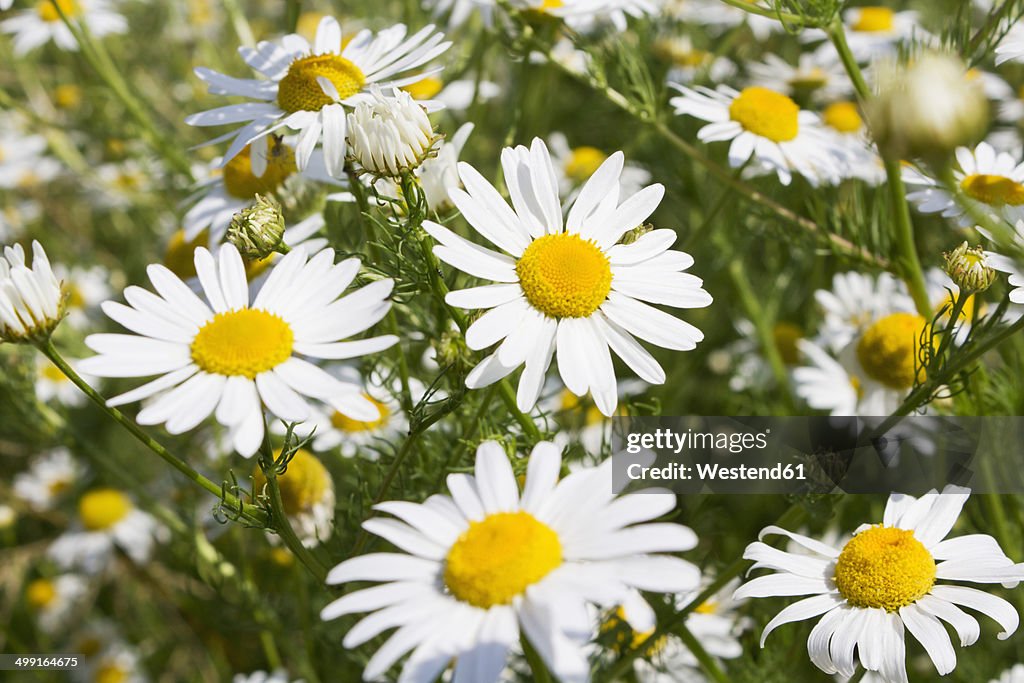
(1014, 674)
(440, 174)
(872, 32)
(23, 159)
(856, 301)
(1005, 264)
(763, 125)
(118, 662)
(309, 88)
(389, 136)
(825, 80)
(721, 17)
(575, 165)
(53, 386)
(53, 600)
(107, 519)
(31, 300)
(488, 563)
(34, 27)
(887, 582)
(48, 477)
(307, 494)
(234, 355)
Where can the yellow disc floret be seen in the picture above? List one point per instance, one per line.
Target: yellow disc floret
(582, 163)
(497, 558)
(240, 181)
(874, 20)
(110, 672)
(887, 351)
(843, 117)
(299, 90)
(303, 484)
(766, 113)
(884, 567)
(245, 342)
(40, 593)
(101, 509)
(995, 190)
(564, 275)
(347, 424)
(47, 9)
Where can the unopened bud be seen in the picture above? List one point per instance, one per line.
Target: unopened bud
(969, 269)
(257, 230)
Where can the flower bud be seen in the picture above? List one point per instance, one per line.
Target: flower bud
(257, 230)
(31, 301)
(969, 269)
(390, 136)
(928, 109)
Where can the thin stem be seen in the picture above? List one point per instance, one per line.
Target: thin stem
(765, 334)
(292, 11)
(249, 512)
(270, 650)
(282, 525)
(537, 666)
(906, 256)
(993, 21)
(239, 23)
(785, 17)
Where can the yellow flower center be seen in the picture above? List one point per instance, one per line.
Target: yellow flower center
(347, 424)
(282, 557)
(884, 567)
(40, 593)
(887, 351)
(51, 372)
(874, 20)
(240, 181)
(766, 113)
(626, 639)
(101, 509)
(843, 116)
(966, 314)
(564, 275)
(995, 190)
(582, 163)
(58, 486)
(245, 342)
(496, 559)
(707, 607)
(303, 484)
(180, 255)
(300, 91)
(47, 9)
(786, 336)
(110, 673)
(425, 88)
(67, 96)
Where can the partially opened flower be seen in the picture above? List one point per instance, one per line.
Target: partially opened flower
(489, 562)
(231, 355)
(308, 88)
(565, 286)
(889, 579)
(390, 135)
(31, 301)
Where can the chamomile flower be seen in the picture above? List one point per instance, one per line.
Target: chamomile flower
(857, 153)
(942, 292)
(107, 519)
(1014, 674)
(564, 287)
(440, 174)
(23, 159)
(53, 600)
(575, 165)
(823, 80)
(331, 429)
(990, 181)
(687, 62)
(857, 300)
(32, 303)
(119, 662)
(119, 184)
(53, 386)
(39, 25)
(721, 17)
(1005, 264)
(230, 189)
(873, 31)
(232, 356)
(746, 359)
(309, 88)
(47, 479)
(86, 289)
(886, 581)
(482, 566)
(455, 96)
(307, 495)
(389, 136)
(764, 125)
(579, 421)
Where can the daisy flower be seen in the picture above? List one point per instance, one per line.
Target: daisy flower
(872, 31)
(579, 421)
(260, 168)
(86, 289)
(307, 494)
(454, 96)
(942, 292)
(1005, 264)
(564, 286)
(119, 662)
(489, 562)
(23, 159)
(855, 302)
(32, 303)
(230, 357)
(1014, 674)
(575, 165)
(688, 62)
(53, 600)
(746, 360)
(120, 183)
(53, 386)
(843, 121)
(308, 88)
(34, 27)
(889, 579)
(824, 80)
(992, 182)
(721, 17)
(107, 519)
(48, 477)
(764, 125)
(331, 429)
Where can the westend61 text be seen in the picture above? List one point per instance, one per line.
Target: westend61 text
(715, 472)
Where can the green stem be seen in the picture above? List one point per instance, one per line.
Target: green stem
(993, 21)
(706, 661)
(282, 525)
(790, 517)
(270, 650)
(906, 256)
(239, 23)
(537, 666)
(765, 335)
(785, 17)
(250, 513)
(292, 11)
